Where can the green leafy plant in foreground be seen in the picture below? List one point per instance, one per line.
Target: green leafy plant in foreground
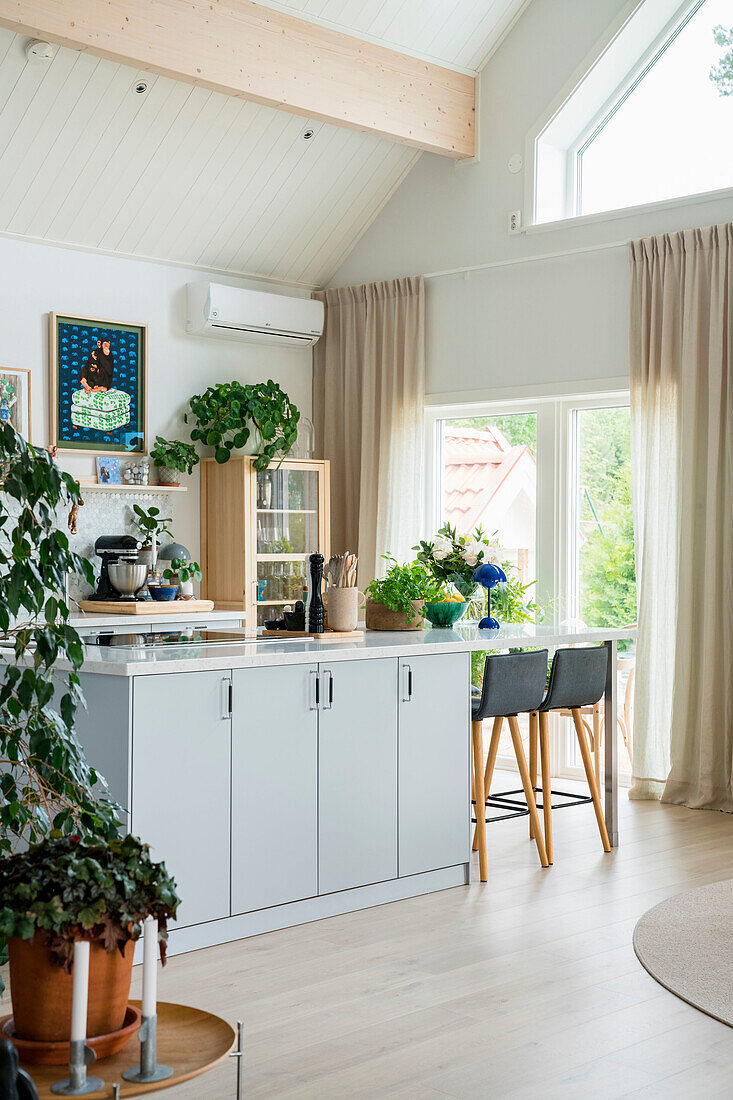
(71, 889)
(226, 415)
(403, 584)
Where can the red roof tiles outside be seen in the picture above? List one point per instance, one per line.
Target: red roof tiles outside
(477, 463)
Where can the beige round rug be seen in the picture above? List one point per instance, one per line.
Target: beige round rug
(686, 943)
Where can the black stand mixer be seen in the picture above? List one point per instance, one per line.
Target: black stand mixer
(112, 549)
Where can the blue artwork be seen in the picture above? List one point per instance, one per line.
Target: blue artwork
(99, 385)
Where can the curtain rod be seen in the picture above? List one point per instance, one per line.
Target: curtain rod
(526, 259)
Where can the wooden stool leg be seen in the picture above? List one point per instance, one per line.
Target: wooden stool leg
(488, 774)
(478, 790)
(532, 759)
(474, 843)
(591, 777)
(528, 792)
(597, 742)
(546, 782)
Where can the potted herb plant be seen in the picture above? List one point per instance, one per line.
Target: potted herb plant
(396, 601)
(151, 526)
(172, 457)
(65, 889)
(183, 573)
(230, 415)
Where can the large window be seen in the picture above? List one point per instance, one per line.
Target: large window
(553, 480)
(651, 120)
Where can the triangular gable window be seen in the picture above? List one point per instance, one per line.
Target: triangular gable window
(663, 129)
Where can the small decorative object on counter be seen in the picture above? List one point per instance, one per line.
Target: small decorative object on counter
(162, 592)
(137, 473)
(396, 601)
(316, 614)
(183, 572)
(489, 575)
(446, 611)
(343, 595)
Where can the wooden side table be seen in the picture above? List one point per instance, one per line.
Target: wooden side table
(189, 1040)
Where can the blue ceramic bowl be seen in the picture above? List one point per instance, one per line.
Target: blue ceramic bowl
(161, 592)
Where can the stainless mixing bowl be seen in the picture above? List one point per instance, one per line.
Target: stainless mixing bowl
(127, 577)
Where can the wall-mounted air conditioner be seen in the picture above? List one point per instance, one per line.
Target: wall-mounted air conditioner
(252, 315)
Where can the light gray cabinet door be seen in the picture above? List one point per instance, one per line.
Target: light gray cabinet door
(434, 762)
(274, 786)
(357, 774)
(181, 764)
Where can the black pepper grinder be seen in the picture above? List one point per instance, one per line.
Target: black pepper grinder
(316, 618)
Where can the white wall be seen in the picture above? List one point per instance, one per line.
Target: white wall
(549, 322)
(36, 279)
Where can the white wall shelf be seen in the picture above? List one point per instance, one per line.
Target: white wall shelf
(95, 485)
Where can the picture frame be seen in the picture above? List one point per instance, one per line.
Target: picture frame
(98, 385)
(15, 400)
(108, 470)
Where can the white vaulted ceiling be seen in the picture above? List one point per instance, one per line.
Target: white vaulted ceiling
(186, 175)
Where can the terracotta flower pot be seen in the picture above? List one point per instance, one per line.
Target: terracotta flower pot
(380, 617)
(41, 991)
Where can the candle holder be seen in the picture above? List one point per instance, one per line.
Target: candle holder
(149, 1070)
(77, 1083)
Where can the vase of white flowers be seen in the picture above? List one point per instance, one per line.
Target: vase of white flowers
(453, 559)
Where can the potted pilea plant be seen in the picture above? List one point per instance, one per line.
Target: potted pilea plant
(228, 414)
(172, 457)
(65, 889)
(46, 786)
(396, 601)
(183, 573)
(151, 526)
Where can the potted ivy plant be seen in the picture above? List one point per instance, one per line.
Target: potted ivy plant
(64, 889)
(183, 573)
(46, 784)
(396, 601)
(230, 416)
(172, 457)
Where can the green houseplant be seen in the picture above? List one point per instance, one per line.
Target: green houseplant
(395, 601)
(171, 457)
(225, 416)
(46, 786)
(184, 573)
(65, 889)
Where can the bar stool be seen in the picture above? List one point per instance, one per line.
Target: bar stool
(577, 680)
(514, 683)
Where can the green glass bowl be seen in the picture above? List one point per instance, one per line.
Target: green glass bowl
(445, 614)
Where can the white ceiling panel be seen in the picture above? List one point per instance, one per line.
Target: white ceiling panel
(189, 176)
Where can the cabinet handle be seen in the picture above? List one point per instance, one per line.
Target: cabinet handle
(407, 681)
(328, 705)
(315, 690)
(227, 692)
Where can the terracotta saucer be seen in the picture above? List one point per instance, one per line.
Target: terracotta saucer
(57, 1054)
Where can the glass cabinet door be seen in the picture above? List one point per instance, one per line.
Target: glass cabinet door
(289, 522)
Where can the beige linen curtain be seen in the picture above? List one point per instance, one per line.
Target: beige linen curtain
(368, 402)
(682, 447)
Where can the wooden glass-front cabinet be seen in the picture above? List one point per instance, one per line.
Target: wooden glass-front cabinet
(257, 530)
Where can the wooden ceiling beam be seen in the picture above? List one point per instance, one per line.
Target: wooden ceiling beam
(264, 55)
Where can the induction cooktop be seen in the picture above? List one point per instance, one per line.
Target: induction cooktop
(157, 639)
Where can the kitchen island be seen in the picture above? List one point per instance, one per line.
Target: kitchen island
(285, 780)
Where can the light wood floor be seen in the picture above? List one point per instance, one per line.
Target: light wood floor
(525, 986)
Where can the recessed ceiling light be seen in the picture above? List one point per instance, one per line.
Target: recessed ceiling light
(308, 134)
(39, 52)
(141, 87)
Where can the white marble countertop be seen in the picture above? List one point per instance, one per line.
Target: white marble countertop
(138, 661)
(89, 619)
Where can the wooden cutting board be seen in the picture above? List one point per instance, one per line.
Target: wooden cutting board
(147, 607)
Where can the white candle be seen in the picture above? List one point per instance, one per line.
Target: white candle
(80, 990)
(150, 966)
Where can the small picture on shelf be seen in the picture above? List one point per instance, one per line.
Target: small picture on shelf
(15, 400)
(108, 471)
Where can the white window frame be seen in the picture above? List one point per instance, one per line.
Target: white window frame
(590, 99)
(556, 547)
